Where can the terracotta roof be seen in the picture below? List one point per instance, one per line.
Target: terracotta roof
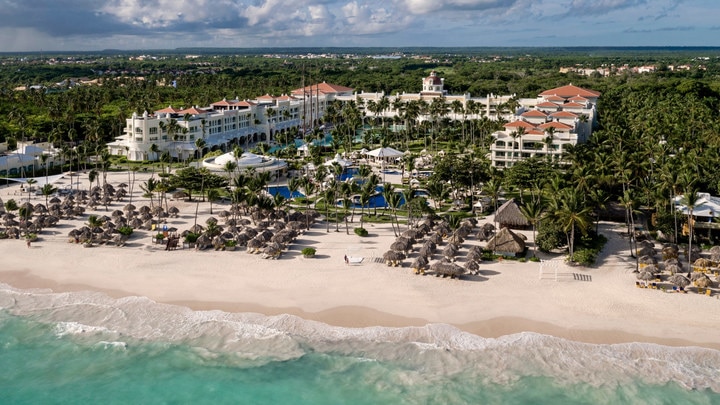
(244, 104)
(578, 98)
(284, 98)
(535, 132)
(167, 110)
(534, 113)
(563, 114)
(556, 125)
(548, 104)
(323, 87)
(518, 124)
(570, 91)
(266, 97)
(223, 103)
(573, 105)
(192, 111)
(434, 79)
(553, 97)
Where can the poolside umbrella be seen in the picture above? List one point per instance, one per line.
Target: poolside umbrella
(447, 269)
(679, 280)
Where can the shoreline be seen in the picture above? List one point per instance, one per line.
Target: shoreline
(507, 297)
(364, 317)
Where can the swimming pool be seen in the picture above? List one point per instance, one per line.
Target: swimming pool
(284, 191)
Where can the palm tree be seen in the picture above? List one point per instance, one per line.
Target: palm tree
(572, 214)
(393, 200)
(533, 211)
(149, 187)
(690, 200)
(48, 190)
(30, 183)
(213, 194)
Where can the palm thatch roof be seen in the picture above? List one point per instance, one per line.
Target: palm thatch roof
(506, 241)
(510, 216)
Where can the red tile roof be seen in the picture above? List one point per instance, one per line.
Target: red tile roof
(556, 125)
(548, 104)
(573, 105)
(323, 87)
(192, 111)
(167, 110)
(266, 97)
(563, 114)
(570, 91)
(534, 113)
(578, 98)
(518, 124)
(553, 97)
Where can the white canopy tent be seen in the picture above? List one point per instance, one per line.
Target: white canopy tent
(707, 206)
(384, 153)
(339, 160)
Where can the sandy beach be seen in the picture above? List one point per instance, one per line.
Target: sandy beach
(508, 297)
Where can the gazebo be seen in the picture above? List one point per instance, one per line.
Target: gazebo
(385, 154)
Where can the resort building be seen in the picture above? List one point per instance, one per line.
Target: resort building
(559, 117)
(540, 126)
(185, 133)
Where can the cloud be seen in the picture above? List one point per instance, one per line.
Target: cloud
(661, 29)
(583, 7)
(431, 6)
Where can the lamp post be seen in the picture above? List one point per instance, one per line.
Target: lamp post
(472, 206)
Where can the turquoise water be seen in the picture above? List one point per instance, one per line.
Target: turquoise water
(86, 348)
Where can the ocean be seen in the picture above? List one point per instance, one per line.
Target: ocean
(85, 347)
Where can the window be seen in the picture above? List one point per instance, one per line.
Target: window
(500, 144)
(138, 130)
(153, 130)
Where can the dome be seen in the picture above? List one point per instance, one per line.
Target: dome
(246, 159)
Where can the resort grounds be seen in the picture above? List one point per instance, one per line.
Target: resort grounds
(602, 306)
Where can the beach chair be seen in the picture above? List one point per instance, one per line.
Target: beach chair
(708, 292)
(701, 290)
(638, 285)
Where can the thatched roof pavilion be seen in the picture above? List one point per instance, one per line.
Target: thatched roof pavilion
(510, 216)
(506, 242)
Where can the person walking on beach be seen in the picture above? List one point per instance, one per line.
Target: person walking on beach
(27, 242)
(347, 261)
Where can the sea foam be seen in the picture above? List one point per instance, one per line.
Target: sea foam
(423, 351)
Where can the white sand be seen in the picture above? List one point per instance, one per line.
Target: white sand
(509, 298)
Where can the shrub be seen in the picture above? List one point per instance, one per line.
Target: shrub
(160, 236)
(230, 243)
(550, 236)
(361, 232)
(308, 252)
(125, 230)
(585, 256)
(535, 259)
(191, 237)
(522, 260)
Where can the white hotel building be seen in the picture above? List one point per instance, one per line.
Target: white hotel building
(566, 113)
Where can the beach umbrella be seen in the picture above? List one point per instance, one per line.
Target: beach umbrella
(645, 275)
(646, 251)
(647, 260)
(654, 269)
(672, 260)
(447, 269)
(393, 256)
(703, 282)
(173, 211)
(135, 223)
(419, 264)
(435, 237)
(400, 246)
(255, 244)
(702, 263)
(673, 268)
(679, 280)
(472, 267)
(54, 200)
(412, 234)
(696, 275)
(426, 252)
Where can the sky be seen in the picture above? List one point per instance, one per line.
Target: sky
(86, 25)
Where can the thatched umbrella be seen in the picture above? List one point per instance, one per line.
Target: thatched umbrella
(180, 195)
(646, 251)
(197, 228)
(419, 265)
(673, 268)
(472, 267)
(651, 268)
(672, 260)
(447, 269)
(449, 252)
(254, 245)
(703, 282)
(696, 275)
(679, 280)
(510, 215)
(144, 209)
(715, 253)
(173, 211)
(703, 263)
(393, 258)
(435, 237)
(647, 260)
(412, 233)
(645, 276)
(401, 246)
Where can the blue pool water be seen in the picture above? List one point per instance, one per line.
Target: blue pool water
(284, 191)
(60, 348)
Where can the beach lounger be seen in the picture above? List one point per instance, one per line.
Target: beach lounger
(701, 290)
(708, 292)
(355, 260)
